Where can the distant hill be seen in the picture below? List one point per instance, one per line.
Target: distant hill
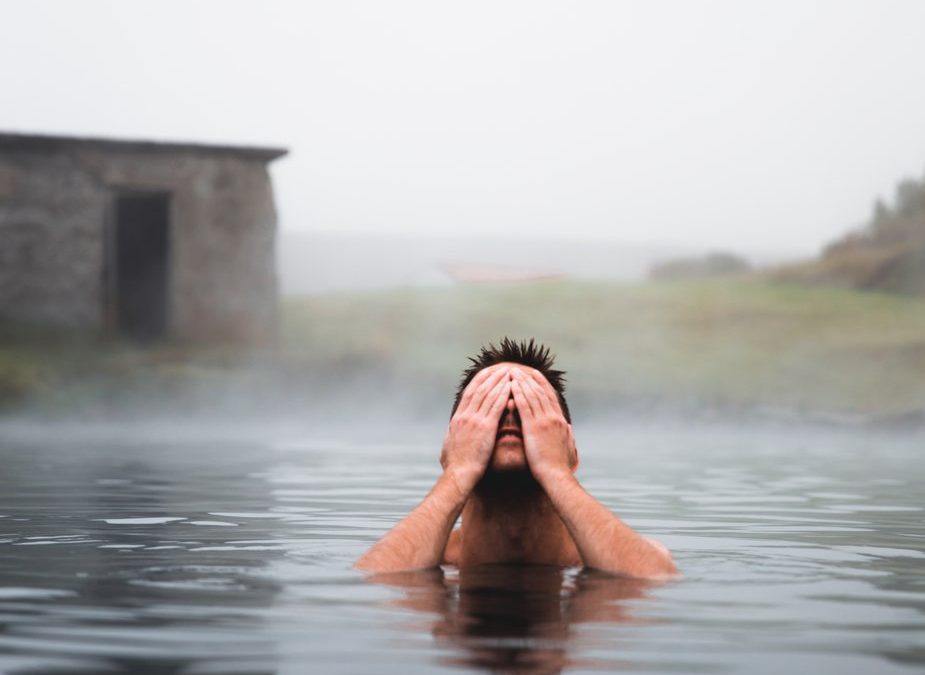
(886, 254)
(710, 266)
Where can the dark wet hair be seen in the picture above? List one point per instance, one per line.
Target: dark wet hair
(528, 353)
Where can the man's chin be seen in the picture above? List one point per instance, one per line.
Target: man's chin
(508, 474)
(508, 458)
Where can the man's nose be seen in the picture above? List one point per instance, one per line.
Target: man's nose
(510, 414)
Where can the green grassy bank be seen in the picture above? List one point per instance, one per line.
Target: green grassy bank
(723, 345)
(719, 343)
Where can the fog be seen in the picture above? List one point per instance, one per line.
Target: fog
(319, 263)
(461, 173)
(760, 127)
(228, 357)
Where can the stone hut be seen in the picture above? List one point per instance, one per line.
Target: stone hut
(139, 239)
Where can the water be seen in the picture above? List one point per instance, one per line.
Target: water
(128, 551)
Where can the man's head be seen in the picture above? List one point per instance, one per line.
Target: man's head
(509, 450)
(528, 353)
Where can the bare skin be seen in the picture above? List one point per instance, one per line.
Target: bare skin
(508, 460)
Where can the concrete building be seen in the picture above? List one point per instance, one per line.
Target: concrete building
(141, 239)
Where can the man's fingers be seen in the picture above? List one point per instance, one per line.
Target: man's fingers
(483, 390)
(536, 376)
(503, 389)
(474, 383)
(477, 399)
(528, 400)
(523, 407)
(548, 391)
(541, 404)
(488, 400)
(532, 392)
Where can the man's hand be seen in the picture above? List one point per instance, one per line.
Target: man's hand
(470, 438)
(604, 541)
(548, 441)
(419, 540)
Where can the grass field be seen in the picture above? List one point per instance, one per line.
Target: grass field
(717, 345)
(714, 343)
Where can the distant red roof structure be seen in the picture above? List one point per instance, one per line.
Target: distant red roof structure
(492, 274)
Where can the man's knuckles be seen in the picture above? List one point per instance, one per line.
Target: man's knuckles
(549, 421)
(471, 422)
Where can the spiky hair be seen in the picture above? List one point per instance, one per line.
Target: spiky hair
(526, 352)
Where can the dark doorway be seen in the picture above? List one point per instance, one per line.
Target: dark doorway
(140, 246)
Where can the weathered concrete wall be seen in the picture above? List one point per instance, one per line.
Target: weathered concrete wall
(51, 229)
(223, 227)
(53, 211)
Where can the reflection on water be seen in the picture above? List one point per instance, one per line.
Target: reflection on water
(514, 618)
(801, 551)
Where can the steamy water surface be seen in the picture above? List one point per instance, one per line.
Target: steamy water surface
(123, 551)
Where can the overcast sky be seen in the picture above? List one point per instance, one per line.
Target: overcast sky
(754, 126)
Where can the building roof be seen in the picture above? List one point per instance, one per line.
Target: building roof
(492, 273)
(48, 143)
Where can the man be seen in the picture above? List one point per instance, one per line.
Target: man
(508, 460)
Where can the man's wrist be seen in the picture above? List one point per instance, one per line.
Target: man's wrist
(552, 476)
(462, 481)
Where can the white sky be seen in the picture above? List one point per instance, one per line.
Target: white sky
(752, 126)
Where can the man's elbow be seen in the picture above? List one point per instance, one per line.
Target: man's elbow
(665, 569)
(660, 564)
(374, 565)
(364, 565)
(653, 563)
(373, 561)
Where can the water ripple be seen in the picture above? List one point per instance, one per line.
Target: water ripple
(799, 552)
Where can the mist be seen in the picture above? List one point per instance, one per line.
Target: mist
(247, 252)
(763, 128)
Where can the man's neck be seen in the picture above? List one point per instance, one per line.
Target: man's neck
(509, 518)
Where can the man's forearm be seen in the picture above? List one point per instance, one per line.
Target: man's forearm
(420, 539)
(604, 541)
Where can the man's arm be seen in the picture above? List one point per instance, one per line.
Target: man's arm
(420, 539)
(604, 541)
